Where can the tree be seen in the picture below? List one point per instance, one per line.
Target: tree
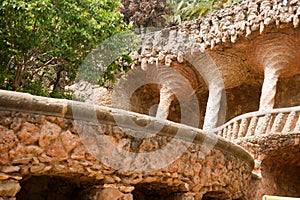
(43, 42)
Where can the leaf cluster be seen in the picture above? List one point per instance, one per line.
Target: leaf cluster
(42, 39)
(184, 10)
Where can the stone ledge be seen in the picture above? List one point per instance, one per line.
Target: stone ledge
(21, 102)
(48, 146)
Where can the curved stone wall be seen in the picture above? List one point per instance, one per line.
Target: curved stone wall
(44, 137)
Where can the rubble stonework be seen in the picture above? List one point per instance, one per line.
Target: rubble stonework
(226, 25)
(35, 145)
(276, 164)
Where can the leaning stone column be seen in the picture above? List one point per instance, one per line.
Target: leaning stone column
(268, 92)
(275, 55)
(108, 192)
(175, 83)
(216, 103)
(166, 98)
(213, 107)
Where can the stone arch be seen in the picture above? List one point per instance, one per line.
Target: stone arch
(276, 56)
(215, 195)
(280, 171)
(153, 191)
(159, 91)
(48, 187)
(207, 80)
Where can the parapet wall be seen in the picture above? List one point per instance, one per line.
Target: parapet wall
(43, 137)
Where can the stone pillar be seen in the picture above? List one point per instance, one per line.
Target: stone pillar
(9, 189)
(275, 55)
(213, 107)
(216, 104)
(267, 99)
(166, 98)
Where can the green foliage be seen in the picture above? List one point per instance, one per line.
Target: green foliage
(114, 71)
(110, 59)
(35, 88)
(60, 94)
(39, 39)
(184, 10)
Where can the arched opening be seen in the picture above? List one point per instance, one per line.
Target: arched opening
(215, 195)
(145, 99)
(243, 99)
(153, 191)
(48, 188)
(161, 91)
(280, 172)
(288, 94)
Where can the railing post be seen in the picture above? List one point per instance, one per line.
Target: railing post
(229, 132)
(235, 130)
(243, 127)
(290, 122)
(297, 126)
(262, 124)
(278, 122)
(252, 126)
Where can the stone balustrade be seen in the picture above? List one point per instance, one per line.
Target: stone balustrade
(282, 120)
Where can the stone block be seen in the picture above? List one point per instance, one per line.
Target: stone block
(9, 188)
(49, 132)
(28, 134)
(69, 140)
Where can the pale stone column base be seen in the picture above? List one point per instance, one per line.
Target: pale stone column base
(9, 189)
(108, 192)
